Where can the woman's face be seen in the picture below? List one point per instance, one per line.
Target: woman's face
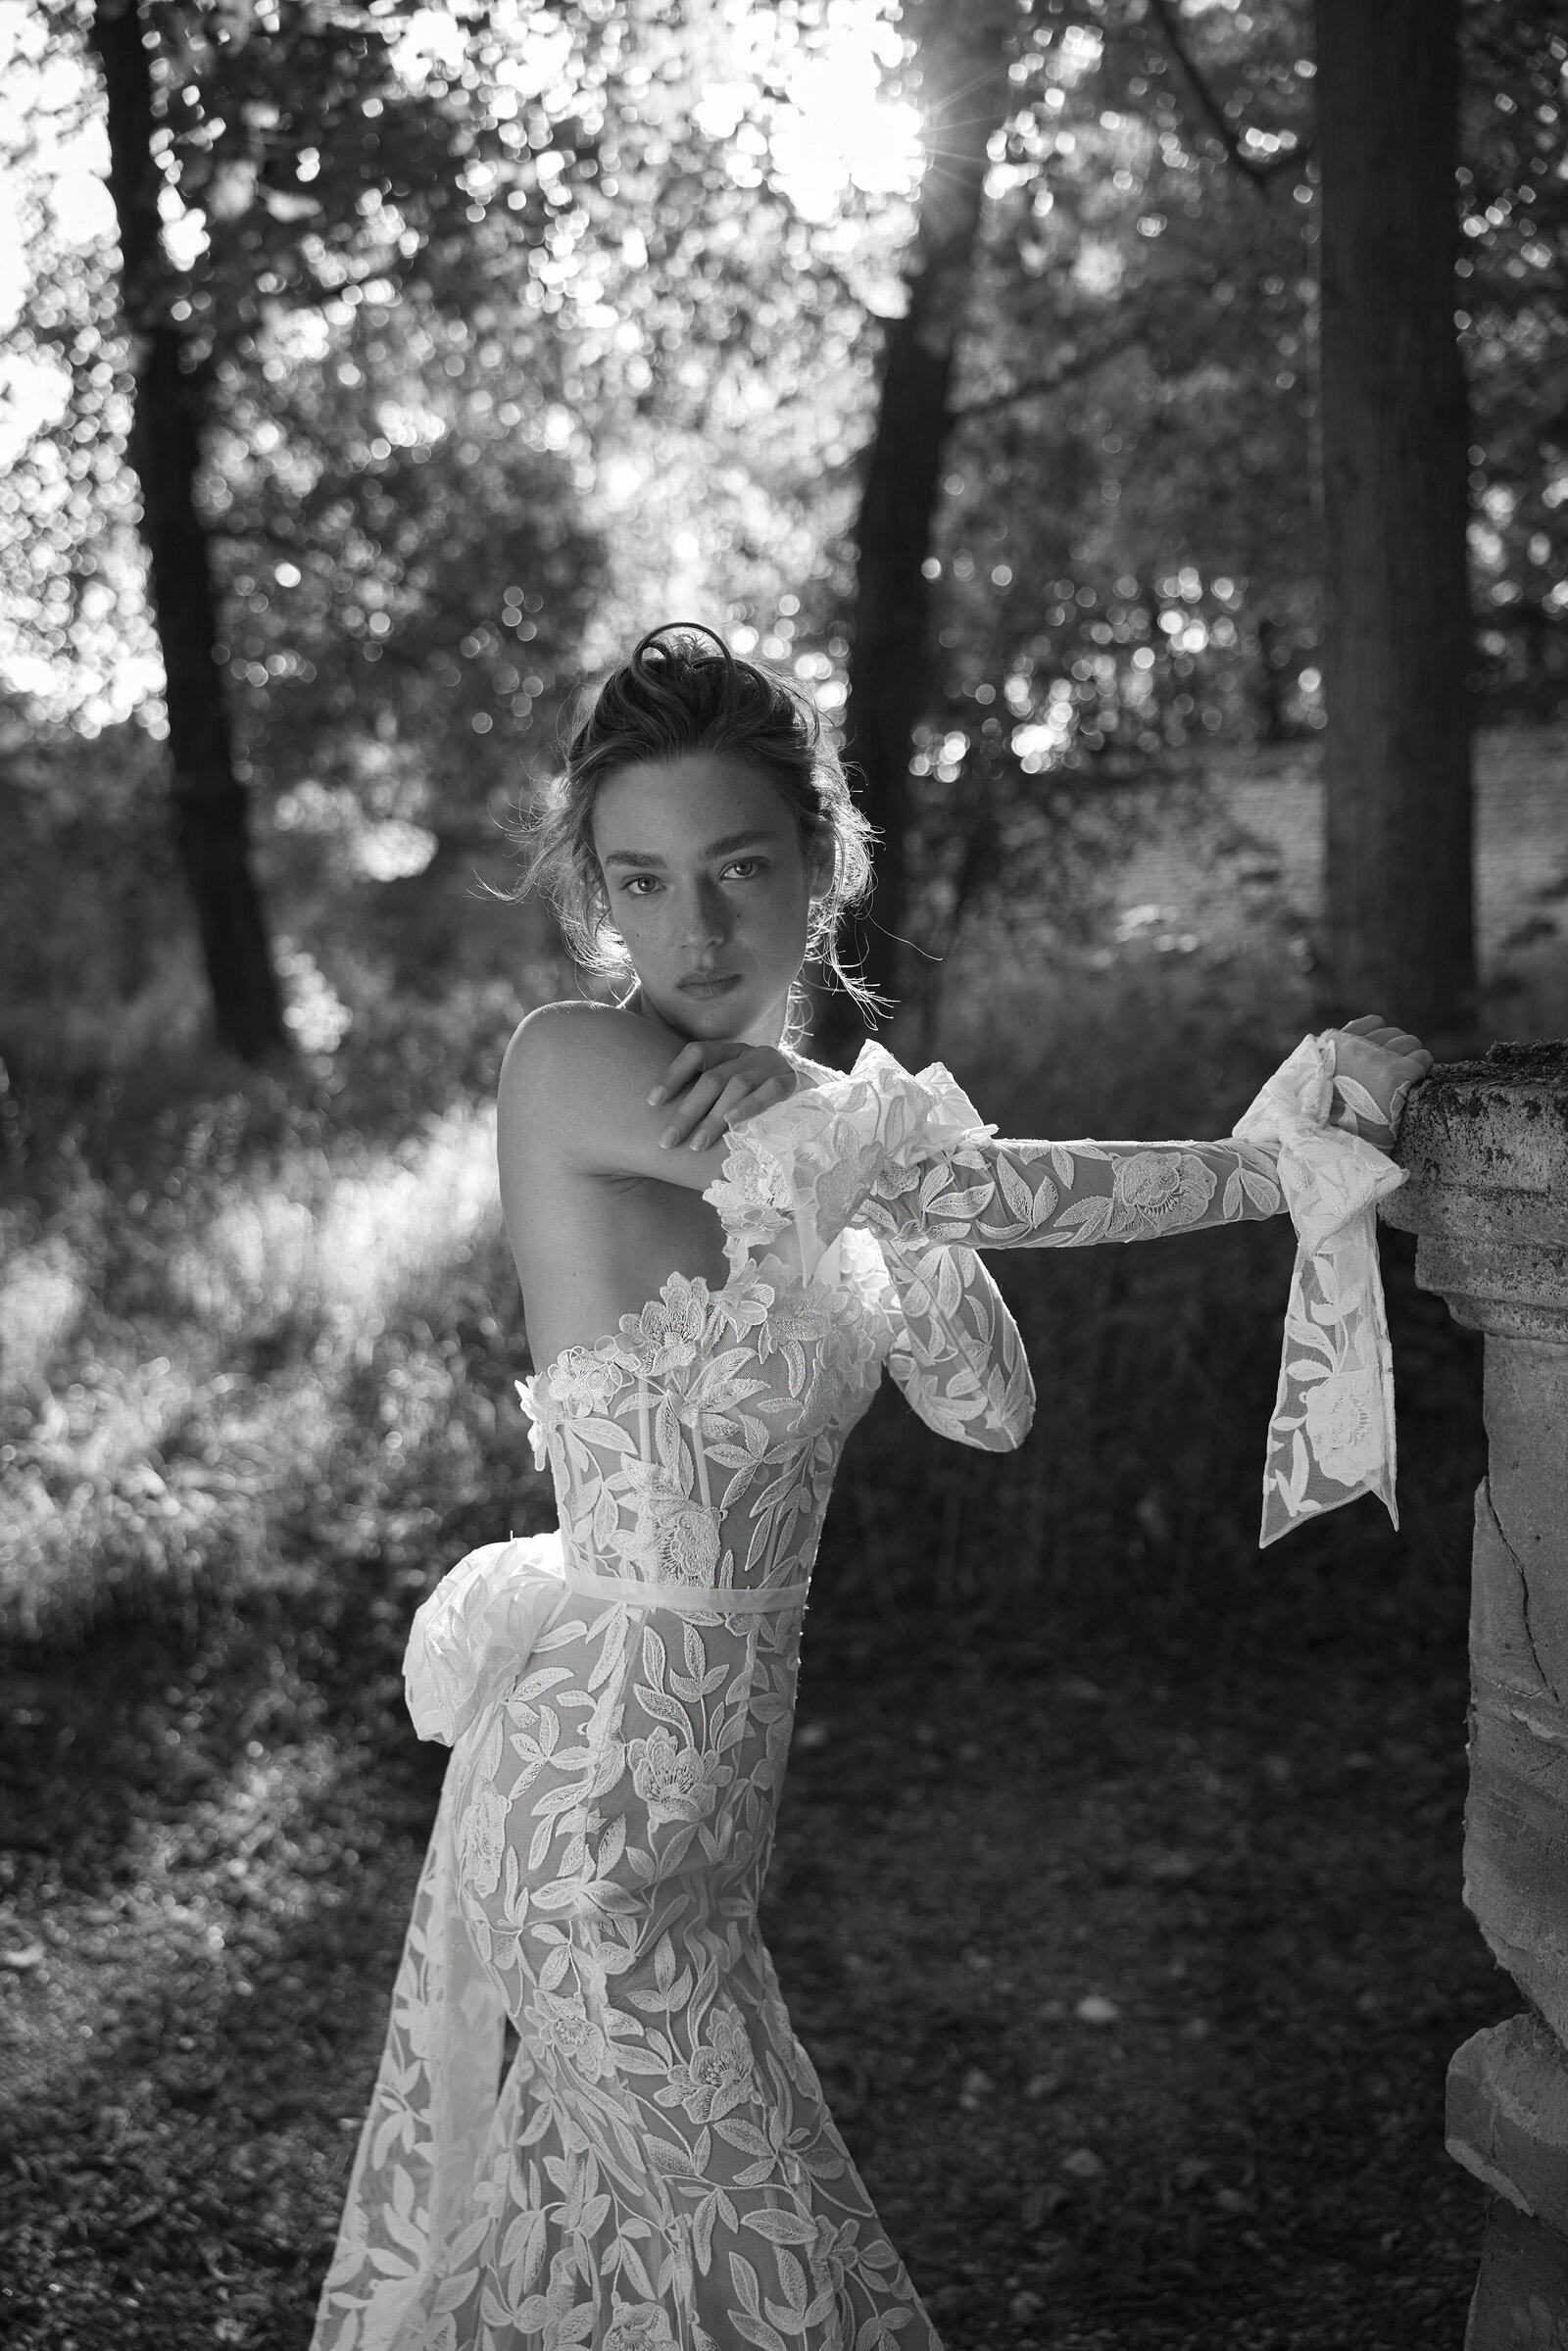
(708, 882)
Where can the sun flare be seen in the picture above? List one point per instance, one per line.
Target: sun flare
(838, 124)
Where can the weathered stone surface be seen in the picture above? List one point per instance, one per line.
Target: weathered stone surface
(1518, 1665)
(1516, 1818)
(1484, 1146)
(1496, 1127)
(1520, 2298)
(1508, 2116)
(1527, 1463)
(1484, 1150)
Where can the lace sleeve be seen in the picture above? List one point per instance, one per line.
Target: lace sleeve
(957, 1359)
(908, 1159)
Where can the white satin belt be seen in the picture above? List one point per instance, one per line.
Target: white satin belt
(688, 1600)
(1332, 1435)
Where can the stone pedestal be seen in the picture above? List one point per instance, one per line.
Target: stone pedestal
(1484, 1145)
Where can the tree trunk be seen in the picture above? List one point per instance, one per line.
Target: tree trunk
(208, 802)
(1271, 656)
(1399, 925)
(964, 92)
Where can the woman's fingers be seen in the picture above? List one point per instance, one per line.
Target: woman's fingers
(1373, 1029)
(714, 1092)
(687, 1064)
(741, 1098)
(697, 1099)
(702, 1053)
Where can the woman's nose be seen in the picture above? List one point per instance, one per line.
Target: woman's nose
(704, 916)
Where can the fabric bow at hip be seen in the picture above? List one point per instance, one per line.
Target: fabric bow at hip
(1332, 1435)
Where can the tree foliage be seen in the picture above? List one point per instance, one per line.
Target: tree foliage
(535, 319)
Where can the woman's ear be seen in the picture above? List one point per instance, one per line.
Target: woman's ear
(821, 863)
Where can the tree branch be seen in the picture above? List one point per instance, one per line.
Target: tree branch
(1037, 386)
(1257, 168)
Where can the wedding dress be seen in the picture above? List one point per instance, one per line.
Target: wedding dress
(659, 2167)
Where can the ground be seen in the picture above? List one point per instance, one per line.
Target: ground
(1132, 1962)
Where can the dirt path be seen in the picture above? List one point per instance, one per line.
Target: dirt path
(1132, 1976)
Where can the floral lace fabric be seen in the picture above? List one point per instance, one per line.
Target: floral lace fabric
(658, 2167)
(1332, 1435)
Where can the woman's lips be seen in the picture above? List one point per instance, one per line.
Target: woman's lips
(705, 983)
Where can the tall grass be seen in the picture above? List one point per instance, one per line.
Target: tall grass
(264, 1334)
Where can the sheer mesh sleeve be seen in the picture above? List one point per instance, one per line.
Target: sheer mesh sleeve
(959, 1359)
(909, 1159)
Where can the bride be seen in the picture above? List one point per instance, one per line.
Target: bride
(720, 1248)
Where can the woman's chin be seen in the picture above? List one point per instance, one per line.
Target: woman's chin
(708, 1014)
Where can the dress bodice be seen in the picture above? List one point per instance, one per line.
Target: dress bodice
(696, 1446)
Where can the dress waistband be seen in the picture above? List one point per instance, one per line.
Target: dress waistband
(687, 1599)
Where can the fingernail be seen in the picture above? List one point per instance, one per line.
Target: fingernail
(699, 1140)
(666, 1139)
(656, 1096)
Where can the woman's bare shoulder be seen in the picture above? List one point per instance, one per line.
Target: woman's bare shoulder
(574, 1085)
(568, 1044)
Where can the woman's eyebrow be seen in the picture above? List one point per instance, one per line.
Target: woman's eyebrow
(726, 847)
(734, 841)
(631, 857)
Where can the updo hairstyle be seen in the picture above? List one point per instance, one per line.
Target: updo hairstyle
(682, 692)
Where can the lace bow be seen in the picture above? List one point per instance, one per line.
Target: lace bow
(1332, 1435)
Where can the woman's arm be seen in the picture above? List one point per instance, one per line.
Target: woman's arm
(906, 1159)
(574, 1096)
(985, 1192)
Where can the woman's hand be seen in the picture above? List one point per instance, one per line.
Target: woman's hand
(719, 1083)
(1374, 1069)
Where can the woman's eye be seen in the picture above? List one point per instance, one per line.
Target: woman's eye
(639, 884)
(742, 868)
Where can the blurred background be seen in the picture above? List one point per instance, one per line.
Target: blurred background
(1143, 424)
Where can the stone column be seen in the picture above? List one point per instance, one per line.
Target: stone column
(1486, 1148)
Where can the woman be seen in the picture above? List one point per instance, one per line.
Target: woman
(710, 1306)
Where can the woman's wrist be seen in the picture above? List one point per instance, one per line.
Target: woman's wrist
(711, 1085)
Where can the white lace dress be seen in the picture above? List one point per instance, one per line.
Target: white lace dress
(657, 2165)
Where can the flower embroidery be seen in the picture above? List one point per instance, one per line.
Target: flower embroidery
(673, 1538)
(720, 2076)
(831, 2251)
(751, 1198)
(671, 1325)
(640, 2326)
(558, 2315)
(1345, 1425)
(584, 1381)
(564, 2024)
(839, 1187)
(674, 1779)
(1162, 1189)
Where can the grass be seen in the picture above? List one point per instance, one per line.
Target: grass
(1066, 1733)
